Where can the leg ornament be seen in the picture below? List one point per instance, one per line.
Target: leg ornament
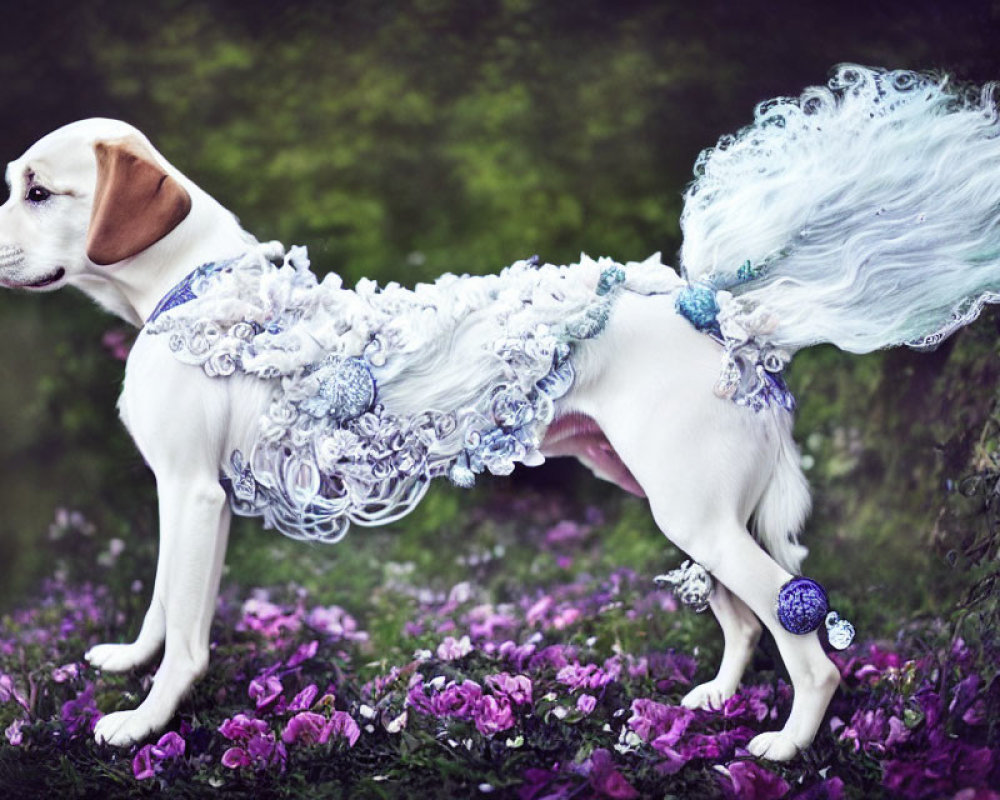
(691, 583)
(803, 606)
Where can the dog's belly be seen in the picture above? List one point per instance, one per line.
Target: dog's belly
(578, 435)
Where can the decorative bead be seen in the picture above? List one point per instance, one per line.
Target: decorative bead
(839, 632)
(244, 485)
(698, 305)
(610, 278)
(460, 474)
(749, 272)
(691, 583)
(802, 605)
(346, 390)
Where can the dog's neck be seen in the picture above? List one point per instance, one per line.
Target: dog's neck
(132, 288)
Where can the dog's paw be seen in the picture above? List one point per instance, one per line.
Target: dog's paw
(774, 746)
(125, 728)
(709, 696)
(118, 657)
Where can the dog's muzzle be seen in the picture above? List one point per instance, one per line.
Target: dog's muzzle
(12, 260)
(10, 256)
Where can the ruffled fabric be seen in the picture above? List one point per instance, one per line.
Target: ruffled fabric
(377, 390)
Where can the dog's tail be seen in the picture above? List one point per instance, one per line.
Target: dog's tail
(865, 213)
(785, 504)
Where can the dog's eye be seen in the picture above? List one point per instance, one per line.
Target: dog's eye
(38, 194)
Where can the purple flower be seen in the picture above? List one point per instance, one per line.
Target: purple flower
(118, 342)
(304, 700)
(67, 672)
(142, 765)
(335, 623)
(747, 781)
(341, 724)
(303, 653)
(750, 702)
(148, 760)
(8, 691)
(516, 654)
(540, 784)
(241, 727)
(566, 617)
(517, 687)
(539, 609)
(867, 667)
(565, 532)
(975, 794)
(452, 649)
(493, 714)
(266, 618)
(264, 690)
(81, 713)
(14, 733)
(484, 622)
(265, 751)
(944, 767)
(665, 669)
(898, 732)
(606, 780)
(830, 789)
(236, 757)
(586, 703)
(555, 656)
(259, 749)
(170, 745)
(588, 676)
(963, 696)
(867, 730)
(417, 697)
(304, 728)
(714, 747)
(655, 722)
(458, 701)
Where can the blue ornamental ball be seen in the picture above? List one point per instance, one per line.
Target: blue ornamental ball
(698, 305)
(802, 605)
(346, 390)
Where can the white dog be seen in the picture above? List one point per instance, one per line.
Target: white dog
(347, 403)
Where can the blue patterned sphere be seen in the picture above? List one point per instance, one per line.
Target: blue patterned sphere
(697, 304)
(802, 605)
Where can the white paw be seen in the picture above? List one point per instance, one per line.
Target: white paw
(709, 696)
(773, 745)
(118, 657)
(124, 728)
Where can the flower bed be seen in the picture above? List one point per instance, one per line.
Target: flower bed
(557, 693)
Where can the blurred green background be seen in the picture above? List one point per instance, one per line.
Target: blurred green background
(399, 140)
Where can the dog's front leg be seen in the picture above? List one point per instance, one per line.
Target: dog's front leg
(194, 520)
(123, 657)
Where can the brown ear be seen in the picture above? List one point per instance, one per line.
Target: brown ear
(135, 203)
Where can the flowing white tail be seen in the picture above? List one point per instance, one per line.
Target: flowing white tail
(869, 210)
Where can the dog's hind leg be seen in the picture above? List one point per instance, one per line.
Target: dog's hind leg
(741, 631)
(196, 520)
(739, 563)
(703, 509)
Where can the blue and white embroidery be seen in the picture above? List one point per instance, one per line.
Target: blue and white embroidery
(368, 404)
(751, 366)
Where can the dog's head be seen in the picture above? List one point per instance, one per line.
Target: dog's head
(87, 196)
